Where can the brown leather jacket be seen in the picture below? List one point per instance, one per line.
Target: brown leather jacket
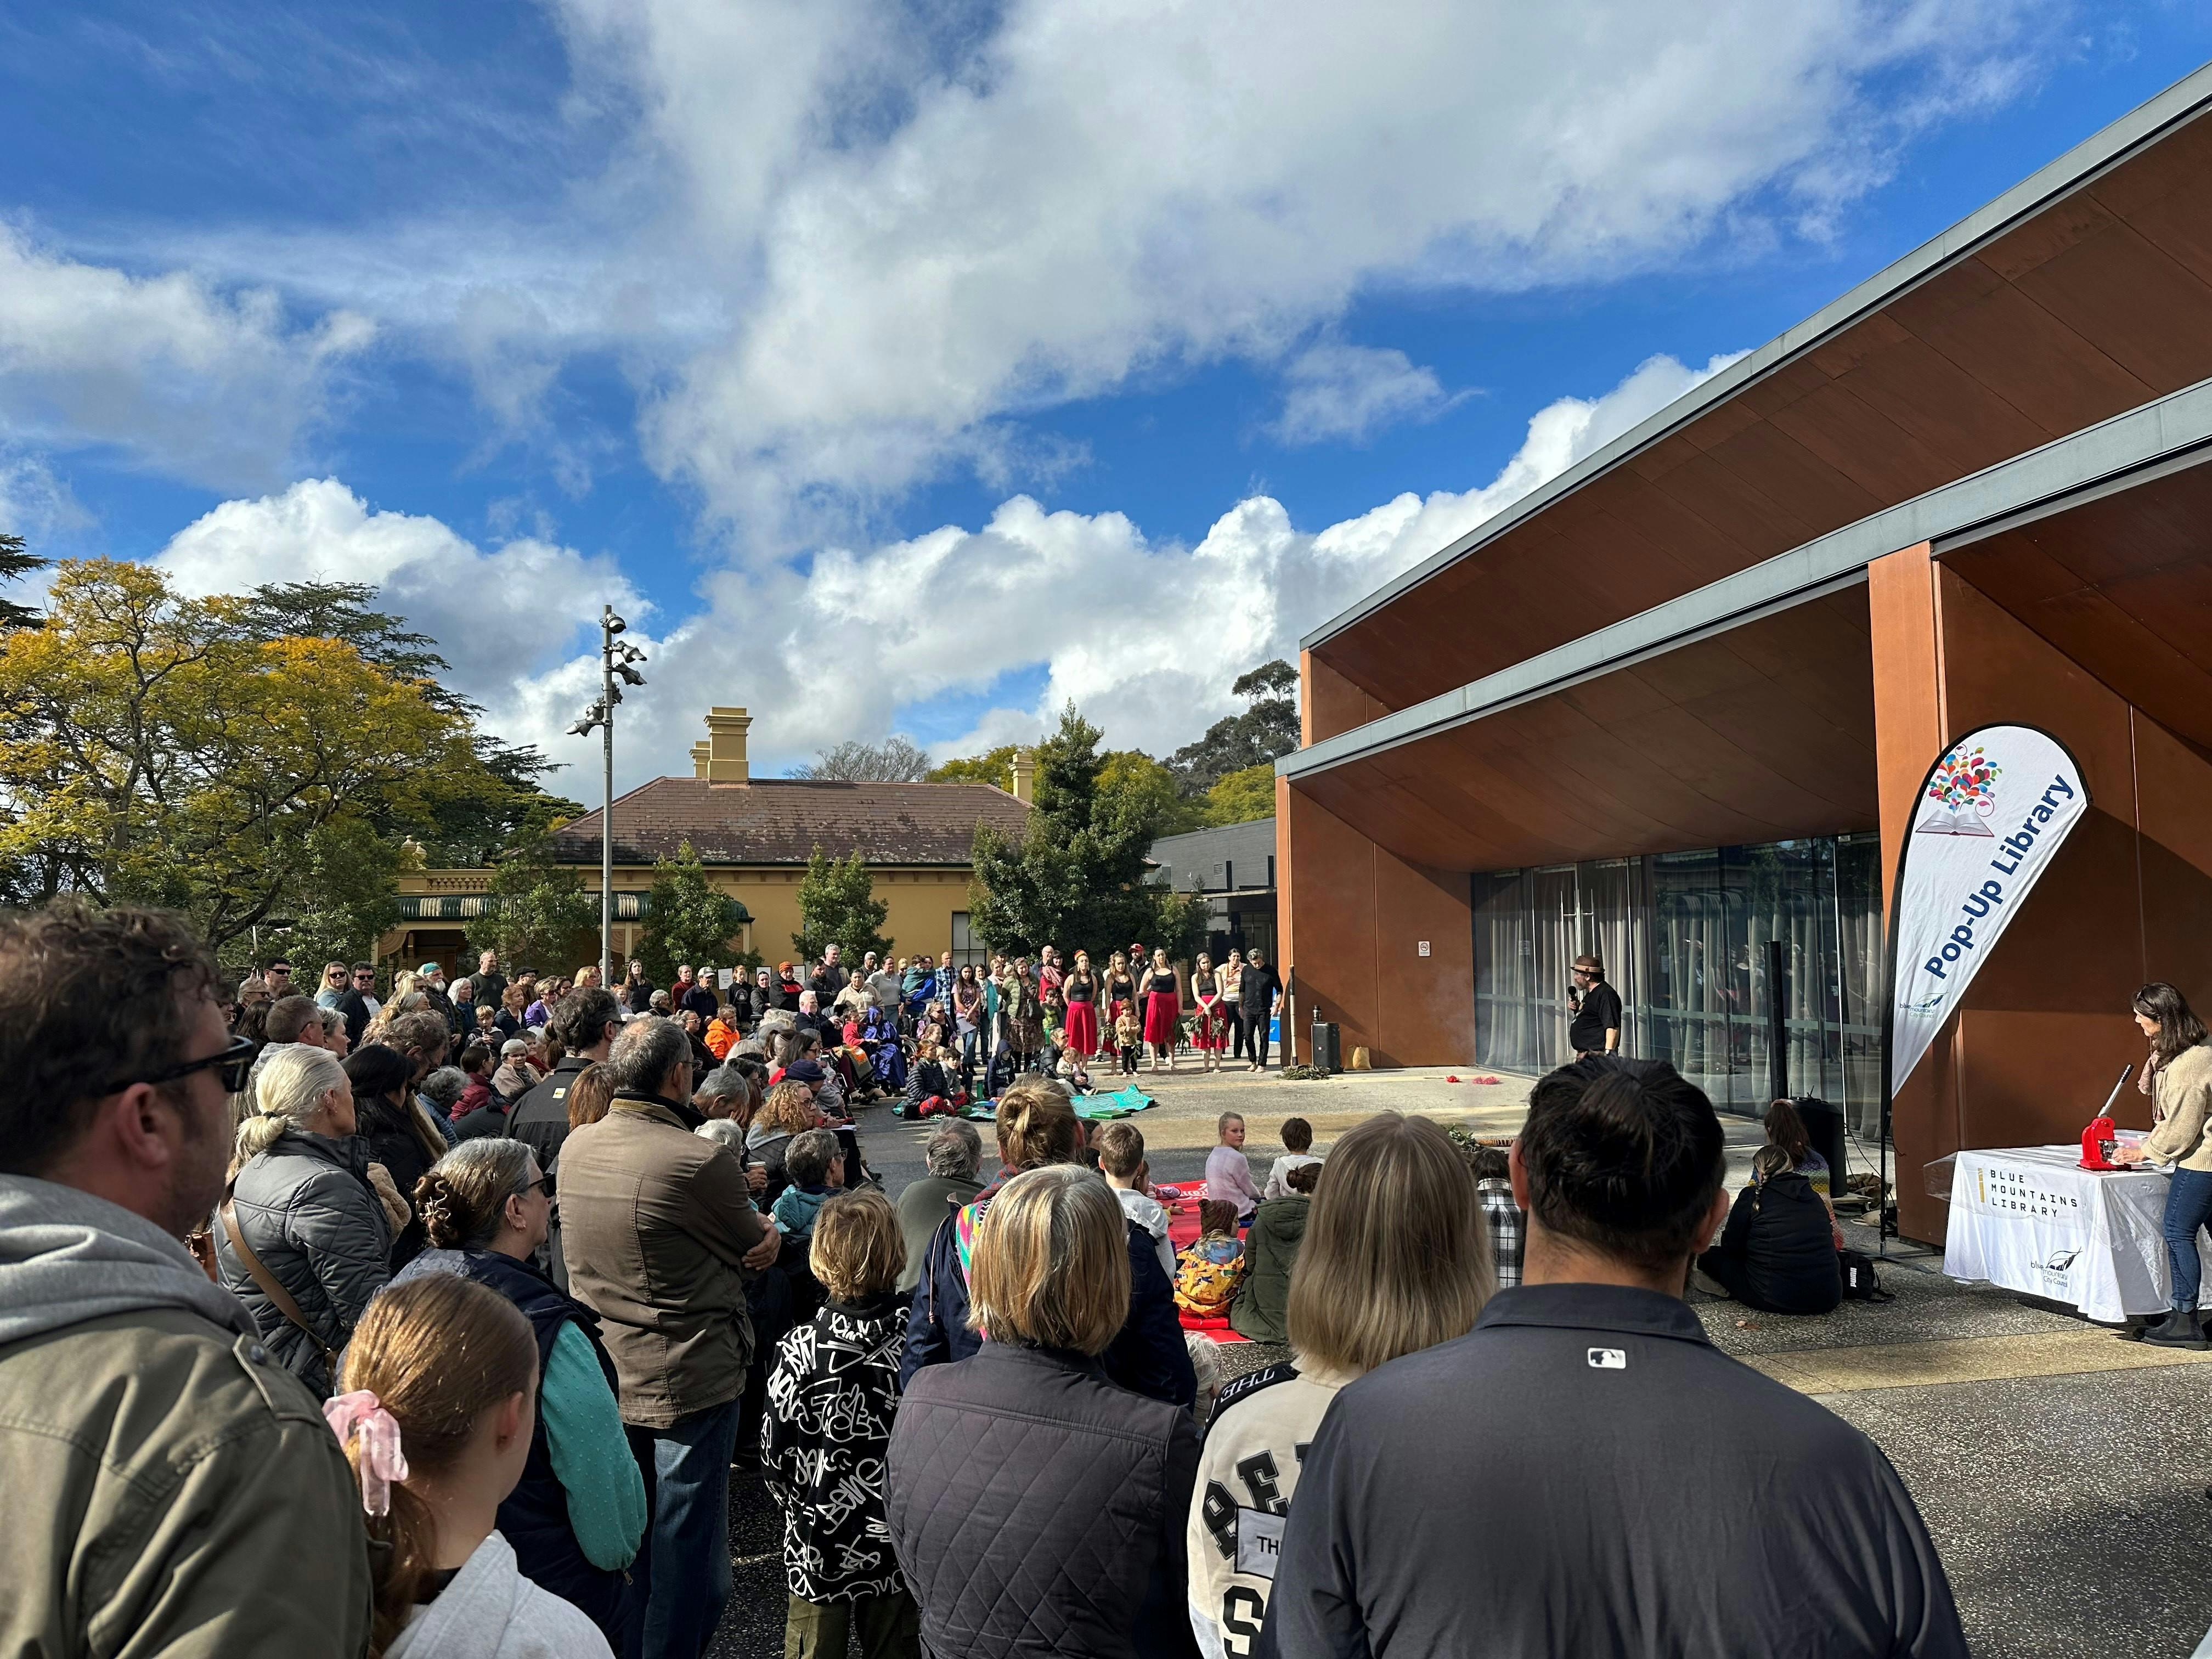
(655, 1223)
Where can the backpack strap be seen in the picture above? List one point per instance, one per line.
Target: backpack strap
(266, 1283)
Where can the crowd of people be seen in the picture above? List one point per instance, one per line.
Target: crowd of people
(290, 1365)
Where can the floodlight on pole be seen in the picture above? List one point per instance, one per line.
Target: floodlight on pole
(614, 659)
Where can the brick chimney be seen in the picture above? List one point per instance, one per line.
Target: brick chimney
(1025, 775)
(724, 757)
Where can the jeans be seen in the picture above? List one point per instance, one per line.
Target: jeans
(691, 1532)
(2188, 1208)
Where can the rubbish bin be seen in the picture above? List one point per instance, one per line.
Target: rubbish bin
(1326, 1054)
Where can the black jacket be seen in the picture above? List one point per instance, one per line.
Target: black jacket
(1783, 1246)
(540, 1119)
(385, 1126)
(1148, 1357)
(487, 1120)
(1038, 1508)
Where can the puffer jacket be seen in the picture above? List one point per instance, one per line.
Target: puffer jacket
(308, 1212)
(170, 1489)
(1262, 1310)
(1036, 1508)
(1148, 1356)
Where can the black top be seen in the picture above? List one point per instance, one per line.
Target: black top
(540, 1118)
(1255, 992)
(1077, 987)
(1784, 1236)
(1601, 1013)
(1667, 1500)
(1163, 983)
(701, 1001)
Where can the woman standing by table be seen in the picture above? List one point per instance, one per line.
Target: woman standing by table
(2178, 1077)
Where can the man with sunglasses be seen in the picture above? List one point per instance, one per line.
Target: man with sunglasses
(359, 1005)
(190, 1499)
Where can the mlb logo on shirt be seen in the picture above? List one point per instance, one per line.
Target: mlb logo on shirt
(1608, 1359)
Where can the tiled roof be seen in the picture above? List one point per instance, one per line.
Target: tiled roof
(781, 820)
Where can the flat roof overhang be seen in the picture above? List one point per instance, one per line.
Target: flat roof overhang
(1743, 711)
(2083, 292)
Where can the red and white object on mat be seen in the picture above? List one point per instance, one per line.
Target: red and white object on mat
(2101, 1140)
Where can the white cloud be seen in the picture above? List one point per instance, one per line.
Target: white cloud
(211, 387)
(507, 617)
(922, 236)
(1144, 635)
(1349, 392)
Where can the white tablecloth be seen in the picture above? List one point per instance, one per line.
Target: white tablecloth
(2031, 1219)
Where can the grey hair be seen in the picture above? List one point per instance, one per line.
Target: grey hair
(725, 1082)
(445, 1086)
(645, 1051)
(809, 1156)
(724, 1131)
(954, 1152)
(462, 1198)
(288, 1092)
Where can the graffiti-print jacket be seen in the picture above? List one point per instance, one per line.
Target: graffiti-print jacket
(830, 1401)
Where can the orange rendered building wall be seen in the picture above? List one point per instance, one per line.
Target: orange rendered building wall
(2044, 1028)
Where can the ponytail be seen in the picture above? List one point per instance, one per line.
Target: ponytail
(437, 1352)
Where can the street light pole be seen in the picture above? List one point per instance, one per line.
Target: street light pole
(614, 664)
(607, 799)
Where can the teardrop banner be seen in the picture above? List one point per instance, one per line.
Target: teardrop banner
(1989, 820)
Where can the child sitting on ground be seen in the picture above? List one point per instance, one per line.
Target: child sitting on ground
(928, 1091)
(1298, 1148)
(1212, 1266)
(825, 1437)
(1228, 1175)
(1122, 1160)
(1128, 1032)
(1508, 1225)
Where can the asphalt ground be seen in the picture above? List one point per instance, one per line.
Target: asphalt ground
(2063, 1473)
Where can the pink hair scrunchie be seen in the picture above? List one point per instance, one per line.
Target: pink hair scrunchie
(381, 1461)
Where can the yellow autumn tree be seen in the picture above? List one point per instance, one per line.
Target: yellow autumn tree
(155, 749)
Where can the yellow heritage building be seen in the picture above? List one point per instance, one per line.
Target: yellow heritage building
(754, 836)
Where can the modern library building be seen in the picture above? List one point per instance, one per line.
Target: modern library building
(1677, 706)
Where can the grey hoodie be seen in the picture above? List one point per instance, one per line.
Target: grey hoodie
(67, 1257)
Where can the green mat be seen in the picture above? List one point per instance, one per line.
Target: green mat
(1094, 1108)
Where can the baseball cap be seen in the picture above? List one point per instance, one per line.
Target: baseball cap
(514, 1046)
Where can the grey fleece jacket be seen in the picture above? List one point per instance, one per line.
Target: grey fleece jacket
(189, 1502)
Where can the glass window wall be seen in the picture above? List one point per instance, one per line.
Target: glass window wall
(1685, 940)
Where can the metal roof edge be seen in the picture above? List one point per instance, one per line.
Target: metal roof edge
(2183, 101)
(2149, 438)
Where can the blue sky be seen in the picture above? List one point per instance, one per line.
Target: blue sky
(919, 368)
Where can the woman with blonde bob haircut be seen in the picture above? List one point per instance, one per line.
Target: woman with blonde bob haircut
(1143, 1352)
(1395, 1258)
(1026, 1492)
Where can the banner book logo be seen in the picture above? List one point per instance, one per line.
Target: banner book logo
(1963, 789)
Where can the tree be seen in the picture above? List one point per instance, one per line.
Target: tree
(996, 767)
(1242, 795)
(689, 920)
(346, 890)
(1075, 877)
(837, 905)
(471, 826)
(155, 749)
(15, 562)
(1140, 790)
(538, 915)
(1266, 731)
(897, 759)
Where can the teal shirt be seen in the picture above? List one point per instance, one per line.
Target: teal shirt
(591, 1455)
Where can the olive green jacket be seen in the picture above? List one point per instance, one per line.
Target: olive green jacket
(170, 1489)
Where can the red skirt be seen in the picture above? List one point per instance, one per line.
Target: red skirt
(1209, 1031)
(1083, 1028)
(1162, 1018)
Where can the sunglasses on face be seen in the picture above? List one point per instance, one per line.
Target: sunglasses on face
(232, 1064)
(543, 1184)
